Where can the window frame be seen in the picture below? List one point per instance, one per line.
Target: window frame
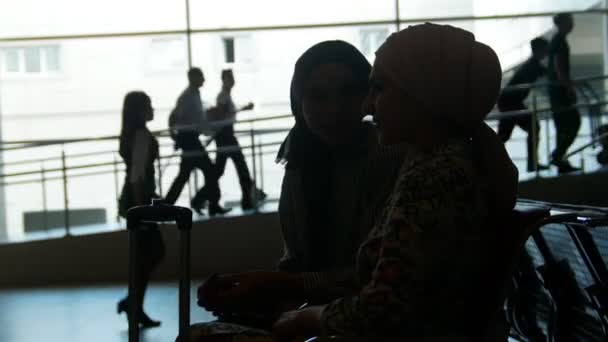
(43, 58)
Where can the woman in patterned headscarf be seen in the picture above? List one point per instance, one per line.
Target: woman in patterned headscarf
(422, 265)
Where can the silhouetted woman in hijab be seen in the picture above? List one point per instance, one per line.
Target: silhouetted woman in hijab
(139, 151)
(329, 194)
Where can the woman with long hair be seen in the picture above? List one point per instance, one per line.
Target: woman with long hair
(139, 151)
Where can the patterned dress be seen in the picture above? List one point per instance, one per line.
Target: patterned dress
(418, 263)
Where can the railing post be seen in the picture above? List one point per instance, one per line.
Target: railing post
(116, 188)
(548, 136)
(45, 220)
(253, 166)
(261, 162)
(196, 186)
(190, 192)
(66, 206)
(534, 134)
(160, 176)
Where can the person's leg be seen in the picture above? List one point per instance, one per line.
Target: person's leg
(222, 140)
(188, 142)
(185, 168)
(525, 123)
(242, 170)
(567, 122)
(151, 252)
(505, 129)
(211, 190)
(152, 249)
(572, 125)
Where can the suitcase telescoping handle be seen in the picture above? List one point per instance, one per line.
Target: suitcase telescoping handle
(160, 212)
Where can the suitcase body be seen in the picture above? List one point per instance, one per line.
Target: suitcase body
(160, 212)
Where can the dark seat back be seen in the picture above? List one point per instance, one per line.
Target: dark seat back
(565, 262)
(506, 248)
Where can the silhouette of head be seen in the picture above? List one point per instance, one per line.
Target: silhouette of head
(136, 111)
(327, 91)
(432, 81)
(540, 48)
(228, 78)
(196, 77)
(564, 22)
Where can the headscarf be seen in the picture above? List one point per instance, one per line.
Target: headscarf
(304, 151)
(457, 80)
(451, 75)
(300, 140)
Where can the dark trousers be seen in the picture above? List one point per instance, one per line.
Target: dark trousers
(567, 120)
(190, 144)
(506, 126)
(151, 249)
(226, 139)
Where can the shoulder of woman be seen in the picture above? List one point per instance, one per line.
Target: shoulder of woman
(451, 162)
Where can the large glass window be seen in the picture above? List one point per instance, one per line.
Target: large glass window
(371, 39)
(26, 18)
(167, 54)
(71, 87)
(463, 8)
(239, 13)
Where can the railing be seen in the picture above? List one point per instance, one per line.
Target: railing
(540, 111)
(260, 146)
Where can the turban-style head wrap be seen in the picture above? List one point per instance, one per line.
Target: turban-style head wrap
(452, 76)
(456, 80)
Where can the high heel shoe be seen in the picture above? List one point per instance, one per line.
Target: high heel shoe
(122, 306)
(216, 209)
(144, 320)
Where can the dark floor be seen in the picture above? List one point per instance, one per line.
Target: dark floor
(86, 314)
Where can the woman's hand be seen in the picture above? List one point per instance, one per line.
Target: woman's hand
(299, 324)
(244, 292)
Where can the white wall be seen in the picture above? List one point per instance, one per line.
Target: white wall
(222, 245)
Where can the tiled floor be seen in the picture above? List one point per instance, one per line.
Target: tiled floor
(85, 314)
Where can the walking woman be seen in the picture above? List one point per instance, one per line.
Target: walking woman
(139, 150)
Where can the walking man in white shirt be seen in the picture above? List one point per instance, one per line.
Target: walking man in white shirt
(226, 141)
(187, 121)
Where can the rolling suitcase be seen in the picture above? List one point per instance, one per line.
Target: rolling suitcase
(160, 212)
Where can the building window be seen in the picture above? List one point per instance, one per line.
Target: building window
(31, 60)
(167, 54)
(238, 50)
(371, 39)
(228, 49)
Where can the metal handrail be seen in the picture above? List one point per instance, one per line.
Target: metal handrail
(64, 172)
(120, 168)
(491, 117)
(592, 143)
(158, 133)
